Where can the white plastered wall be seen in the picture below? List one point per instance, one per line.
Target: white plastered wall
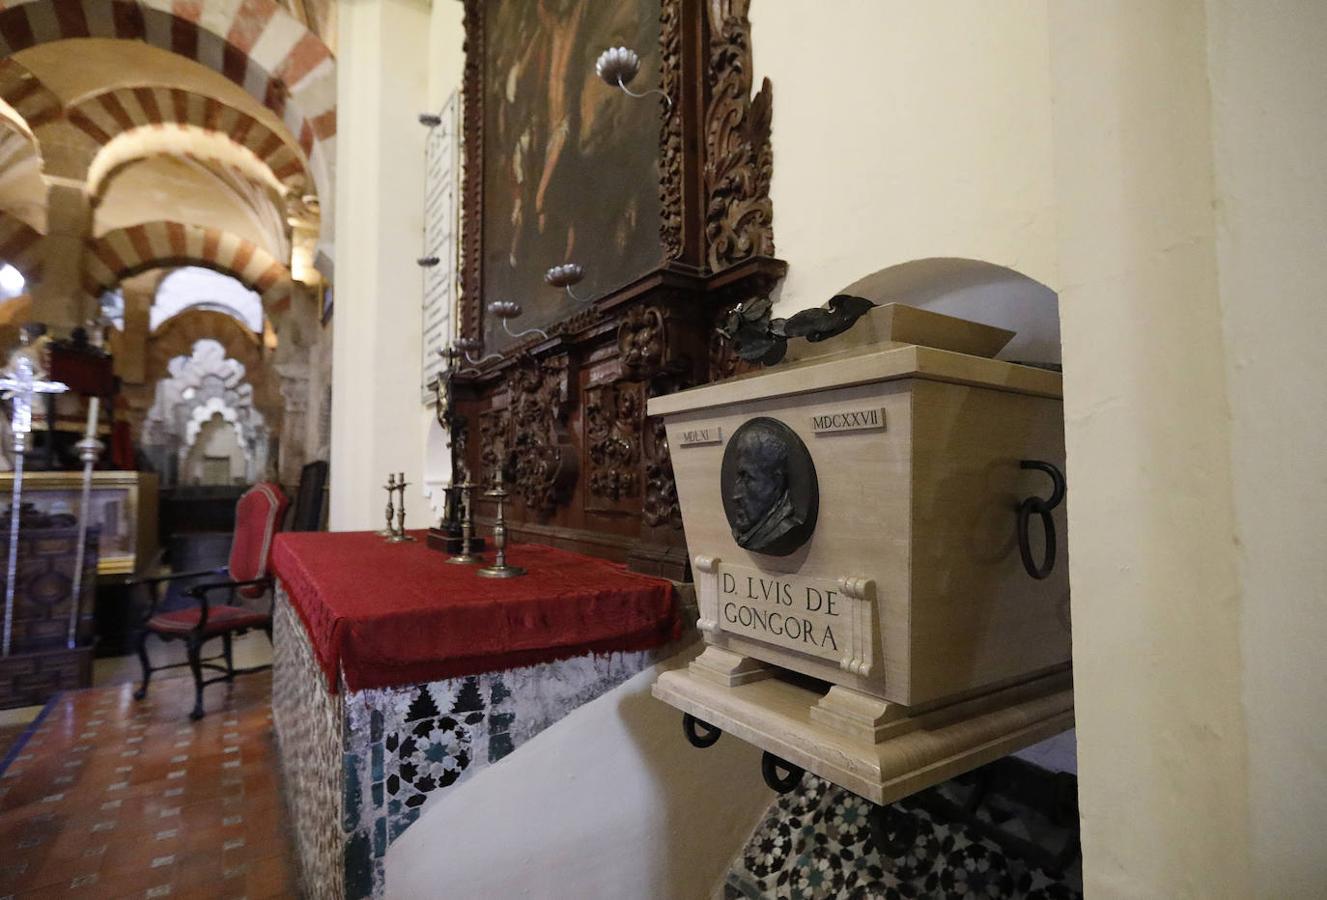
(904, 131)
(1156, 602)
(1268, 76)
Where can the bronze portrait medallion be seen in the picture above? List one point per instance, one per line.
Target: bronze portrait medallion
(770, 493)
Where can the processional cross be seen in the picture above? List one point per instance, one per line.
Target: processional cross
(19, 384)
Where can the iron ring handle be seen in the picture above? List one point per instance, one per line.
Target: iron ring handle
(1043, 509)
(689, 727)
(1057, 480)
(1025, 510)
(769, 770)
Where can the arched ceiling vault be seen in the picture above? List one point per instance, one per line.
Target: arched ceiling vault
(23, 100)
(253, 43)
(26, 94)
(128, 251)
(182, 141)
(22, 188)
(199, 191)
(120, 119)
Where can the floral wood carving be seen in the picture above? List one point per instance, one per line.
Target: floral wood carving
(543, 459)
(472, 170)
(660, 506)
(739, 162)
(613, 415)
(642, 342)
(670, 132)
(494, 429)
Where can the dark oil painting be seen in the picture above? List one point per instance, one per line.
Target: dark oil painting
(570, 163)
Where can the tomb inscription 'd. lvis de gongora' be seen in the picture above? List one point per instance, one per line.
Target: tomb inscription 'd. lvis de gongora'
(810, 615)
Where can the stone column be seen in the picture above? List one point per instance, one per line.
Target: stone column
(378, 421)
(58, 298)
(1163, 777)
(130, 349)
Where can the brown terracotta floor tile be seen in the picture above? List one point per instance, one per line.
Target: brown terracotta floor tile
(109, 797)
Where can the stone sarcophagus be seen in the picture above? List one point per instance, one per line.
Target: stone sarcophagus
(879, 515)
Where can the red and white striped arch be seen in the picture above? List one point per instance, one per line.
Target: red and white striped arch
(18, 245)
(119, 254)
(31, 99)
(109, 114)
(254, 43)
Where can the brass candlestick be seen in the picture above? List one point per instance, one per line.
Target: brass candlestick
(399, 536)
(390, 488)
(500, 569)
(467, 554)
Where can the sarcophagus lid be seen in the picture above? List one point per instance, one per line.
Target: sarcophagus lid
(853, 513)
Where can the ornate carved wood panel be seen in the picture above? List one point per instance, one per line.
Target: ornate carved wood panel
(613, 422)
(542, 460)
(739, 218)
(564, 416)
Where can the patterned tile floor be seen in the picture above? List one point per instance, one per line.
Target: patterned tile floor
(109, 797)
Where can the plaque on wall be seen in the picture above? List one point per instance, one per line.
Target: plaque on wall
(442, 178)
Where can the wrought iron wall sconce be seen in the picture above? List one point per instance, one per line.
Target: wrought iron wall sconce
(510, 309)
(564, 276)
(617, 66)
(465, 347)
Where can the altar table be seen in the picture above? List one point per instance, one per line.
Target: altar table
(397, 674)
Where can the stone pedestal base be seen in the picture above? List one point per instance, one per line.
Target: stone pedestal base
(832, 735)
(729, 669)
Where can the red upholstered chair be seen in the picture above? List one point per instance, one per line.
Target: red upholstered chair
(258, 514)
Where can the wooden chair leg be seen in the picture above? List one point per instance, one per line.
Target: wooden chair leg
(147, 666)
(230, 660)
(196, 666)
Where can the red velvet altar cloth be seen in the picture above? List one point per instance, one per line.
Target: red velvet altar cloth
(394, 614)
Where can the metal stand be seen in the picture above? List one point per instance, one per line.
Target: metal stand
(467, 555)
(500, 569)
(89, 450)
(19, 384)
(399, 536)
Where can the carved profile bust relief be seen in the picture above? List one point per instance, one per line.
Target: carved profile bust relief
(770, 493)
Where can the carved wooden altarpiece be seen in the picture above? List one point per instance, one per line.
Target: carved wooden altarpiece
(564, 416)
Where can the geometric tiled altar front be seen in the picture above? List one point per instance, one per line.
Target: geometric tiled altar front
(360, 766)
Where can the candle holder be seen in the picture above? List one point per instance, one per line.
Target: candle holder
(617, 66)
(467, 555)
(564, 276)
(500, 569)
(399, 536)
(390, 488)
(465, 348)
(510, 309)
